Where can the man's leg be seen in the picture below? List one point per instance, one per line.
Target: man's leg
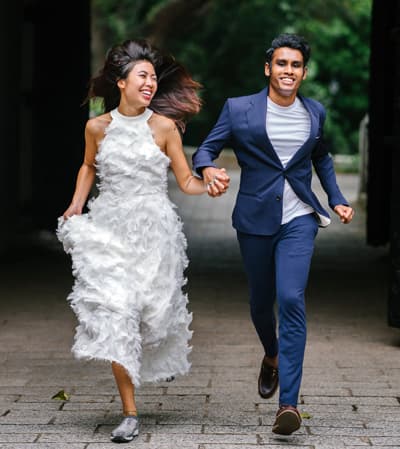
(293, 258)
(257, 254)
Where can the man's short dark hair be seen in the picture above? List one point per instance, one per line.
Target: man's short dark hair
(292, 41)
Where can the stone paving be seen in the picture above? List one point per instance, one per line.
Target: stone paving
(351, 383)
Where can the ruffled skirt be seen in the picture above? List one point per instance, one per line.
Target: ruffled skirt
(128, 261)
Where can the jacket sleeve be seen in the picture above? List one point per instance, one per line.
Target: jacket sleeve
(324, 168)
(218, 138)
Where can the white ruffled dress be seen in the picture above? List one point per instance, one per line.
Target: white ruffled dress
(128, 258)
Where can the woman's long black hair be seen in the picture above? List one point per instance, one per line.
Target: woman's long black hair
(177, 93)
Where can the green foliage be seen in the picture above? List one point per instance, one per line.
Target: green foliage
(340, 76)
(223, 42)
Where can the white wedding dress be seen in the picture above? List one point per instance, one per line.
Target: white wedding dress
(128, 257)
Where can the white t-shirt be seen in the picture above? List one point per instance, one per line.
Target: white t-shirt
(288, 127)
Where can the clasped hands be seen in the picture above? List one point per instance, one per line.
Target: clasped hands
(216, 181)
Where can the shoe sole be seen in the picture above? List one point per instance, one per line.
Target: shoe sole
(119, 439)
(286, 423)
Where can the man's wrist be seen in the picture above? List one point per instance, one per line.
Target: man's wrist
(200, 169)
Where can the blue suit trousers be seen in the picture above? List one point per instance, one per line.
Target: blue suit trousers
(277, 268)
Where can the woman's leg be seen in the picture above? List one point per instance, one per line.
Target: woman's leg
(126, 389)
(129, 427)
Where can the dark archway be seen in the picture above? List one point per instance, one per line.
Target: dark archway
(383, 206)
(46, 65)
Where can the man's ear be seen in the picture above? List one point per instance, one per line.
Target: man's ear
(267, 69)
(305, 72)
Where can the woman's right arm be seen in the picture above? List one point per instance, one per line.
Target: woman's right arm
(87, 172)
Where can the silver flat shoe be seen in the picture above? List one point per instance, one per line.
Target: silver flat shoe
(126, 431)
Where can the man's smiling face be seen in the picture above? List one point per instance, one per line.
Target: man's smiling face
(286, 72)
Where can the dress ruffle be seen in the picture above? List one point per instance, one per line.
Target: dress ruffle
(128, 259)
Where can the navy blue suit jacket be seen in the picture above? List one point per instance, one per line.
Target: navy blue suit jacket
(242, 126)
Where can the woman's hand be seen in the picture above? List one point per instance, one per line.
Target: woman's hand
(73, 209)
(217, 180)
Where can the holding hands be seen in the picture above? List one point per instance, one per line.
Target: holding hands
(216, 180)
(346, 213)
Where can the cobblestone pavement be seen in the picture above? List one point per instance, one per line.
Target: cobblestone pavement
(351, 383)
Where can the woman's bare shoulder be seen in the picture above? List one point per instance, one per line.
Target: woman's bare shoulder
(97, 125)
(162, 123)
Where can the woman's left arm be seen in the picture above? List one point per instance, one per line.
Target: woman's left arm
(187, 182)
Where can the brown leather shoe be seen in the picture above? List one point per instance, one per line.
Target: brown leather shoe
(268, 380)
(287, 421)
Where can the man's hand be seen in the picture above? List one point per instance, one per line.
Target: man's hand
(216, 180)
(346, 213)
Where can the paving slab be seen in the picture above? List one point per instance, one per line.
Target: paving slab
(42, 445)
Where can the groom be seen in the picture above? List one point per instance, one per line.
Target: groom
(276, 135)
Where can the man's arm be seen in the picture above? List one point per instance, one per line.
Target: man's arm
(203, 159)
(324, 168)
(323, 165)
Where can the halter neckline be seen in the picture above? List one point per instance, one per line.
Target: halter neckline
(145, 115)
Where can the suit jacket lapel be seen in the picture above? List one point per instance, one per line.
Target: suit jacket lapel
(309, 144)
(256, 119)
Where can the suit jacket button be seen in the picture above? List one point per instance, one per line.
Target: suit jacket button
(278, 198)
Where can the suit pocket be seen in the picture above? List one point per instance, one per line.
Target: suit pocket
(249, 206)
